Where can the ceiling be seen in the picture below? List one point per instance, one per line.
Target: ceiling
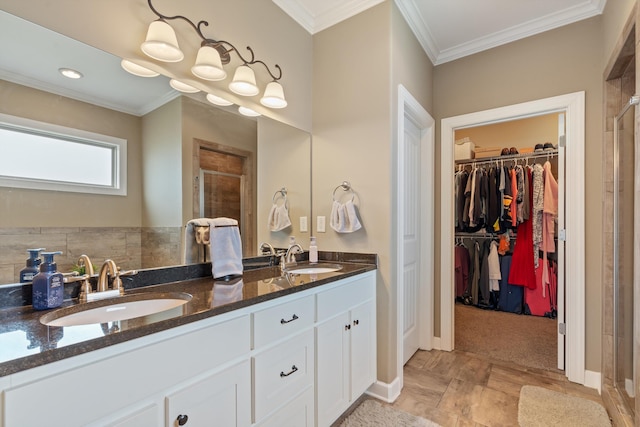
(452, 29)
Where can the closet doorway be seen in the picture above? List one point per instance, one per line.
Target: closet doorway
(493, 240)
(571, 214)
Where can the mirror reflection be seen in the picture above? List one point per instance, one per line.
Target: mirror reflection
(186, 159)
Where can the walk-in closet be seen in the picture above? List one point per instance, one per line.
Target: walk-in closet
(507, 272)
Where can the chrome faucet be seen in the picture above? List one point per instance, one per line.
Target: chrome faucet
(289, 258)
(109, 268)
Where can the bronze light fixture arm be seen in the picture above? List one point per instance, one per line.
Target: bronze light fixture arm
(223, 47)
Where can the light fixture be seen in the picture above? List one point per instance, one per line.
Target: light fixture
(137, 70)
(216, 100)
(208, 64)
(244, 82)
(161, 43)
(248, 112)
(70, 73)
(274, 96)
(183, 87)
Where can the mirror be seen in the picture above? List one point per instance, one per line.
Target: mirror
(165, 131)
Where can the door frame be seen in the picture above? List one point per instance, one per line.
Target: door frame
(410, 108)
(573, 105)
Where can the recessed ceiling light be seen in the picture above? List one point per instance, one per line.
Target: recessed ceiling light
(69, 73)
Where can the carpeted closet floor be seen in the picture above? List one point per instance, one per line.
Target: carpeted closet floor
(526, 340)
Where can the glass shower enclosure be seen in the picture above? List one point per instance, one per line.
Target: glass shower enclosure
(623, 251)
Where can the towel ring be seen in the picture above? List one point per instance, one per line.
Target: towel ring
(282, 192)
(346, 186)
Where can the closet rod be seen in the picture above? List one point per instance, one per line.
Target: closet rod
(465, 235)
(511, 157)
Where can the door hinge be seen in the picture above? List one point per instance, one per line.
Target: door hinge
(562, 234)
(561, 140)
(562, 328)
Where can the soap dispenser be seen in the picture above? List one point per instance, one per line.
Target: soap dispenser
(33, 263)
(48, 284)
(313, 250)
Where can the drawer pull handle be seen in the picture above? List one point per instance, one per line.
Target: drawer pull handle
(182, 419)
(347, 327)
(282, 321)
(294, 368)
(356, 322)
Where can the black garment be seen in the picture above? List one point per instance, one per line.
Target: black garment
(493, 198)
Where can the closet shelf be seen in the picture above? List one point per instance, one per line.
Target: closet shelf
(509, 157)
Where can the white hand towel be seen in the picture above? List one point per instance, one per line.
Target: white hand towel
(225, 247)
(344, 218)
(279, 217)
(192, 249)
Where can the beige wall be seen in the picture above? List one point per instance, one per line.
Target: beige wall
(37, 208)
(119, 26)
(615, 16)
(355, 89)
(560, 61)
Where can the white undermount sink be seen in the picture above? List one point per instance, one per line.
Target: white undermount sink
(313, 268)
(114, 309)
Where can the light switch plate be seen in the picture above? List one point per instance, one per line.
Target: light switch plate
(321, 224)
(303, 224)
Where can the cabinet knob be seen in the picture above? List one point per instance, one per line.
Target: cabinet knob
(347, 327)
(356, 322)
(182, 419)
(294, 317)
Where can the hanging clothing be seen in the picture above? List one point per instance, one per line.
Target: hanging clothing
(494, 267)
(549, 216)
(538, 207)
(523, 270)
(462, 265)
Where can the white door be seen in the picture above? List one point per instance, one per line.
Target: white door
(561, 239)
(411, 237)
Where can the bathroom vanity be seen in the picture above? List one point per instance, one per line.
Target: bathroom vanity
(270, 350)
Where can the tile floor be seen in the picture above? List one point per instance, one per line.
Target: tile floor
(459, 389)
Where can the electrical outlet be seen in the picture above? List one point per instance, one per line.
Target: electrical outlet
(303, 224)
(321, 224)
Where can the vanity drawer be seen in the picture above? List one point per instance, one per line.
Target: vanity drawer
(282, 320)
(281, 373)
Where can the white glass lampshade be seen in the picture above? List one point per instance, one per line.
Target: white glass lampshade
(183, 87)
(208, 64)
(274, 96)
(244, 82)
(161, 43)
(137, 70)
(248, 112)
(216, 100)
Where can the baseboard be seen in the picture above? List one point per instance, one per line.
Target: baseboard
(593, 379)
(628, 387)
(384, 391)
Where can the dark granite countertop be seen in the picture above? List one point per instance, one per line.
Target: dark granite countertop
(26, 343)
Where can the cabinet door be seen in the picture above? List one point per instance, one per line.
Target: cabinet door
(222, 399)
(332, 378)
(363, 348)
(146, 417)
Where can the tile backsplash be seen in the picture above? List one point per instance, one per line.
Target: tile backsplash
(129, 247)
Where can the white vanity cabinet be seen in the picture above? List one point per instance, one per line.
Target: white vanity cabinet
(294, 361)
(345, 346)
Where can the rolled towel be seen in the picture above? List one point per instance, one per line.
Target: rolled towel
(195, 240)
(225, 247)
(279, 217)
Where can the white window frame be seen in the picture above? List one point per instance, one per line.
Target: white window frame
(118, 186)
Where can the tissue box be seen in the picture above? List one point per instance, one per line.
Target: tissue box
(464, 149)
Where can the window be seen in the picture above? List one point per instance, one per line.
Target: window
(43, 156)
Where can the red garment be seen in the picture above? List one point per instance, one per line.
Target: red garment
(522, 271)
(461, 269)
(541, 300)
